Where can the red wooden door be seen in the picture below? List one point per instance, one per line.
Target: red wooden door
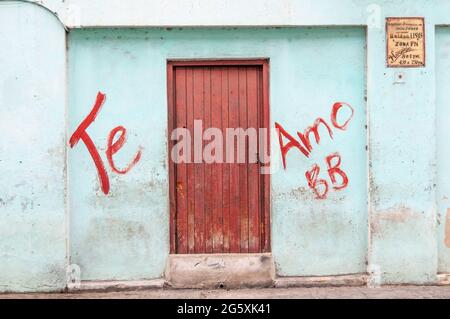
(218, 207)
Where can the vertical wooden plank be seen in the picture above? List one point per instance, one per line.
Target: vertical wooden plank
(266, 177)
(190, 166)
(243, 173)
(225, 166)
(253, 166)
(216, 183)
(233, 122)
(199, 236)
(181, 168)
(262, 157)
(171, 125)
(207, 168)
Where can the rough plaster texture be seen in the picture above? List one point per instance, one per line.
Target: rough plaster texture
(402, 165)
(33, 255)
(406, 150)
(329, 236)
(443, 150)
(110, 13)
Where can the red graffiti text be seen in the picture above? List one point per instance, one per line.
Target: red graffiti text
(304, 145)
(111, 148)
(320, 186)
(333, 161)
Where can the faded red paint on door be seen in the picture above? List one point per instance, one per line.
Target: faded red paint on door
(218, 207)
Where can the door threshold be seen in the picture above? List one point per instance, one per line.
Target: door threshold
(256, 270)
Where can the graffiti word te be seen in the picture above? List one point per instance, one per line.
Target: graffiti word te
(112, 146)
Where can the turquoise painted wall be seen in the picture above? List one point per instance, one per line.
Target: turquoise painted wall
(442, 148)
(125, 234)
(391, 216)
(33, 254)
(402, 163)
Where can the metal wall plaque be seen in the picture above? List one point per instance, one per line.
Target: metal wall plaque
(405, 42)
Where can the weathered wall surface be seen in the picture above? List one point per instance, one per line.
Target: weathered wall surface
(32, 149)
(125, 235)
(319, 231)
(443, 149)
(402, 164)
(392, 215)
(143, 13)
(122, 235)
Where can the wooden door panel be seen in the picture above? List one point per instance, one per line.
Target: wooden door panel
(218, 207)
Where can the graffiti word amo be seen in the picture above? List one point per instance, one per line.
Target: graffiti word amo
(112, 147)
(304, 142)
(320, 186)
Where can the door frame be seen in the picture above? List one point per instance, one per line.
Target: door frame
(264, 117)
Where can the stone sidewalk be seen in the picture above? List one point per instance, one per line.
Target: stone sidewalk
(389, 292)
